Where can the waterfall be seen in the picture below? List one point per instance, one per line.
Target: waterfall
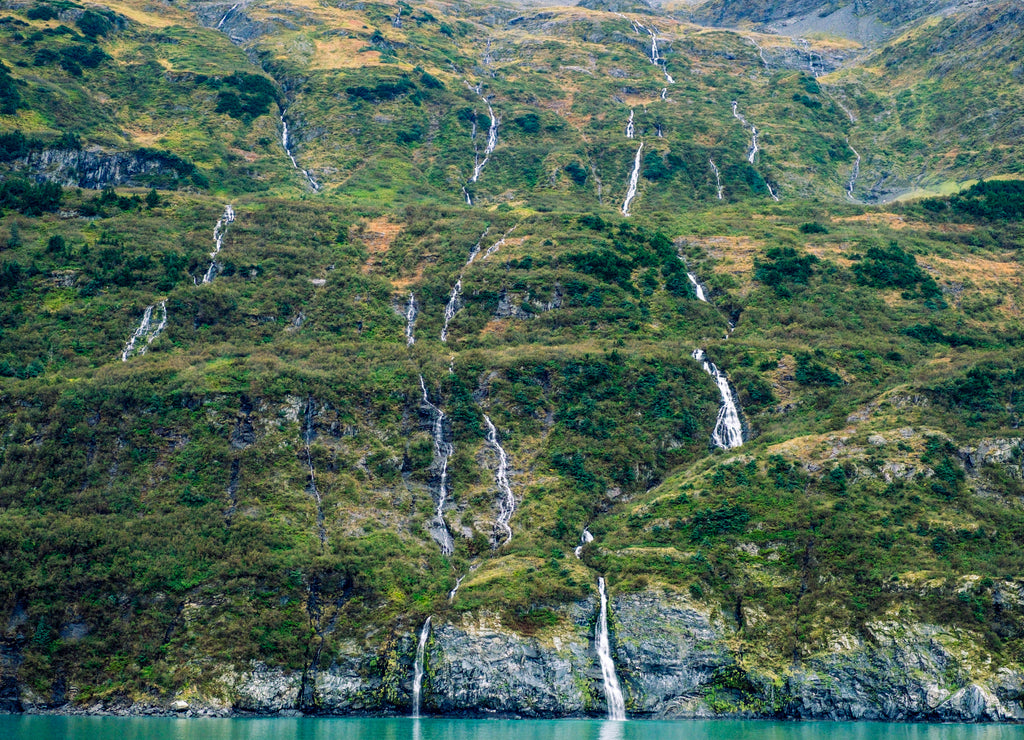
(754, 149)
(585, 539)
(230, 11)
(760, 52)
(507, 504)
(728, 432)
(771, 191)
(494, 247)
(633, 177)
(417, 668)
(492, 142)
(629, 126)
(410, 320)
(146, 331)
(697, 287)
(455, 589)
(287, 150)
(718, 177)
(810, 57)
(856, 171)
(664, 93)
(443, 450)
(218, 242)
(612, 691)
(451, 308)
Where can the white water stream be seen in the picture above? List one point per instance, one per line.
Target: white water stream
(411, 310)
(633, 179)
(507, 504)
(760, 52)
(146, 331)
(612, 690)
(585, 539)
(698, 288)
(417, 668)
(492, 142)
(856, 171)
(728, 432)
(754, 149)
(630, 130)
(443, 450)
(718, 178)
(452, 307)
(455, 588)
(218, 242)
(231, 10)
(286, 144)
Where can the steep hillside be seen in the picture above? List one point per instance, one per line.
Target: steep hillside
(321, 319)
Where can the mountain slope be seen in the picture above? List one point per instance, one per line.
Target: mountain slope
(347, 316)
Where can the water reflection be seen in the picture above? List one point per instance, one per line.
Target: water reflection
(429, 728)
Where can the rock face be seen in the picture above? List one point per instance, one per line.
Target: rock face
(96, 169)
(675, 658)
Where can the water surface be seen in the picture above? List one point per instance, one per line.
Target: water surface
(156, 728)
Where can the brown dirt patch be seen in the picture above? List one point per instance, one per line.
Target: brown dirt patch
(378, 235)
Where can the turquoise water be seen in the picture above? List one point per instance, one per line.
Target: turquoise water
(152, 728)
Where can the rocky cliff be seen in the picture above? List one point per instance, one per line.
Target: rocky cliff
(676, 658)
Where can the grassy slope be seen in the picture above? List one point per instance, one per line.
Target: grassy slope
(118, 505)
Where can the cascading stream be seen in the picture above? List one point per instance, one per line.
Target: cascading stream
(455, 589)
(633, 179)
(231, 10)
(452, 307)
(718, 178)
(492, 142)
(728, 432)
(218, 242)
(585, 539)
(145, 331)
(630, 130)
(443, 450)
(411, 310)
(760, 52)
(417, 668)
(285, 143)
(507, 503)
(856, 171)
(697, 287)
(754, 148)
(612, 689)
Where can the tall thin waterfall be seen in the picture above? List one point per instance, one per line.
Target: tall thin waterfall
(443, 450)
(856, 171)
(417, 670)
(633, 179)
(218, 241)
(718, 177)
(225, 16)
(698, 288)
(286, 145)
(492, 142)
(145, 331)
(612, 690)
(728, 432)
(410, 320)
(754, 148)
(452, 307)
(630, 129)
(507, 505)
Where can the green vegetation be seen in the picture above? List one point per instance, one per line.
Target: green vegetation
(875, 350)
